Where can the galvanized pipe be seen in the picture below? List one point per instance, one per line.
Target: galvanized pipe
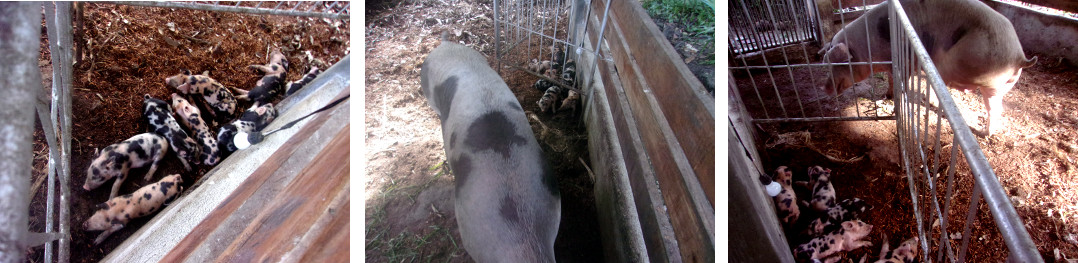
(61, 44)
(236, 9)
(20, 30)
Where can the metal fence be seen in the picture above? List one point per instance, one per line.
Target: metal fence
(918, 87)
(545, 30)
(764, 24)
(776, 91)
(776, 74)
(54, 109)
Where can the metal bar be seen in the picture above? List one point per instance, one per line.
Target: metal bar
(813, 65)
(818, 119)
(950, 185)
(497, 40)
(234, 9)
(50, 195)
(974, 203)
(344, 9)
(20, 32)
(62, 110)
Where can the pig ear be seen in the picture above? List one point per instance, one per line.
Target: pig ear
(840, 53)
(104, 205)
(206, 73)
(186, 72)
(824, 48)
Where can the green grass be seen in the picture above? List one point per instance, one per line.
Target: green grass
(407, 246)
(698, 18)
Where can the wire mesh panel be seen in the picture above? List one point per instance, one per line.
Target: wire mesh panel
(534, 35)
(763, 24)
(932, 132)
(779, 73)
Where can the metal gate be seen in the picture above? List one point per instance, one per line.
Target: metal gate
(757, 25)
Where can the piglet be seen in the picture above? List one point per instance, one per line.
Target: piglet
(253, 120)
(823, 193)
(570, 102)
(220, 100)
(159, 115)
(271, 84)
(294, 86)
(846, 238)
(786, 200)
(847, 209)
(191, 117)
(905, 253)
(115, 160)
(112, 215)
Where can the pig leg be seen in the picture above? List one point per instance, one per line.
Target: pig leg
(994, 105)
(240, 93)
(153, 168)
(859, 244)
(264, 69)
(120, 180)
(103, 235)
(186, 166)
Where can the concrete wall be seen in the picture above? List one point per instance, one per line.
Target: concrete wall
(1050, 35)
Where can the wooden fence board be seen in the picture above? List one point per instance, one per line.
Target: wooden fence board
(692, 218)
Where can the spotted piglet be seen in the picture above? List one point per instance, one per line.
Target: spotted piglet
(507, 202)
(112, 215)
(191, 117)
(253, 120)
(846, 238)
(272, 82)
(221, 101)
(905, 253)
(115, 160)
(159, 115)
(823, 193)
(847, 209)
(786, 200)
(294, 86)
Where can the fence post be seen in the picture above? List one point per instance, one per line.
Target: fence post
(20, 30)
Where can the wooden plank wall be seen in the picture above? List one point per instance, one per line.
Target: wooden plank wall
(664, 121)
(300, 223)
(1065, 5)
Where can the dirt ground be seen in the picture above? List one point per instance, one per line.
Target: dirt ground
(1032, 157)
(129, 52)
(408, 189)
